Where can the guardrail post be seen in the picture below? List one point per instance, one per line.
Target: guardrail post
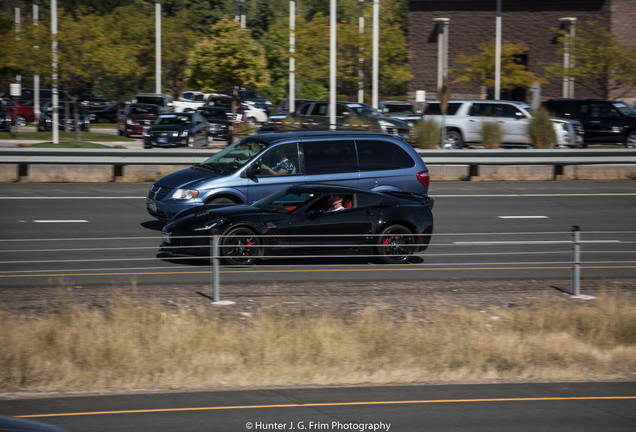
(576, 260)
(214, 258)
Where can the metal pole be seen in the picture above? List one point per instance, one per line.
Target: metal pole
(332, 65)
(376, 44)
(361, 52)
(36, 76)
(292, 56)
(498, 52)
(55, 121)
(576, 260)
(214, 257)
(158, 46)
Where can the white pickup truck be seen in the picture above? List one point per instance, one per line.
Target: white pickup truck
(190, 101)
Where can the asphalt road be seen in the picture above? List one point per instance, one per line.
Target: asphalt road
(100, 233)
(579, 407)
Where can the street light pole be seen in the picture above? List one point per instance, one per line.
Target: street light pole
(158, 46)
(360, 52)
(55, 121)
(498, 52)
(376, 55)
(332, 65)
(569, 24)
(292, 56)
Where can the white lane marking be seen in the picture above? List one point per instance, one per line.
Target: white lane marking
(528, 242)
(534, 195)
(522, 217)
(60, 221)
(68, 197)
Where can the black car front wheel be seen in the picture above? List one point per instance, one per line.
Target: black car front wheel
(395, 244)
(240, 246)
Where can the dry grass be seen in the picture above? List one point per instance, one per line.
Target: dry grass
(131, 345)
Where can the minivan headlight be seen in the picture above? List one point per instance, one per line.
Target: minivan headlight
(184, 194)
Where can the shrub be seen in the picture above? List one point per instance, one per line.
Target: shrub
(428, 134)
(491, 135)
(541, 130)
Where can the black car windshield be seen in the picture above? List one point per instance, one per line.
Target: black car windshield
(235, 156)
(285, 201)
(399, 108)
(625, 109)
(174, 119)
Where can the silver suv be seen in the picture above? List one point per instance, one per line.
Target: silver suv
(465, 118)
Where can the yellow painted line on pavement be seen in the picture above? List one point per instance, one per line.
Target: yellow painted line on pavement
(332, 404)
(377, 269)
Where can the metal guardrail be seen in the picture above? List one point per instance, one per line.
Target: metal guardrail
(15, 155)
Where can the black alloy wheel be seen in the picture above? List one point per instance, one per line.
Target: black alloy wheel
(240, 246)
(395, 244)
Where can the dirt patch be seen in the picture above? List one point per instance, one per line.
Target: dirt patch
(312, 299)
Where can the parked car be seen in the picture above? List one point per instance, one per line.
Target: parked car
(5, 119)
(218, 120)
(465, 118)
(236, 174)
(297, 221)
(401, 110)
(225, 102)
(352, 115)
(21, 114)
(251, 97)
(137, 118)
(190, 100)
(92, 101)
(177, 129)
(163, 100)
(45, 122)
(254, 115)
(106, 115)
(604, 121)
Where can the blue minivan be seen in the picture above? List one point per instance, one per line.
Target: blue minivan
(261, 164)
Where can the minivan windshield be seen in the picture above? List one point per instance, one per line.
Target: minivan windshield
(233, 157)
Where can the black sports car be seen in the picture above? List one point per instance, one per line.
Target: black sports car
(300, 219)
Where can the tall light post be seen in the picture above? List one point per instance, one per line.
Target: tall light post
(36, 76)
(292, 56)
(361, 52)
(55, 120)
(158, 46)
(569, 25)
(332, 64)
(498, 52)
(376, 54)
(442, 50)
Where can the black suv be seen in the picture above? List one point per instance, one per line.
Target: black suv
(604, 121)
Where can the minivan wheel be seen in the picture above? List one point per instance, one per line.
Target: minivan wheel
(240, 246)
(630, 140)
(395, 244)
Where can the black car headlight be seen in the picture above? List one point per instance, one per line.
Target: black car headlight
(208, 225)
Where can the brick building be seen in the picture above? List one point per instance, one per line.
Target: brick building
(533, 22)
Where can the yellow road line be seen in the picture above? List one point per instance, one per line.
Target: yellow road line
(384, 269)
(327, 404)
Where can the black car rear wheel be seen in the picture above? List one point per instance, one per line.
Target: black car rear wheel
(240, 246)
(395, 244)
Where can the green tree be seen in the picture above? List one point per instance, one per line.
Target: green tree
(601, 64)
(480, 68)
(228, 58)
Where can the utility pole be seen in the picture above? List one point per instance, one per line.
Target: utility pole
(332, 64)
(158, 46)
(498, 52)
(360, 53)
(292, 56)
(376, 43)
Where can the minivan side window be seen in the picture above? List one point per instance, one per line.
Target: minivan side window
(382, 155)
(327, 157)
(284, 156)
